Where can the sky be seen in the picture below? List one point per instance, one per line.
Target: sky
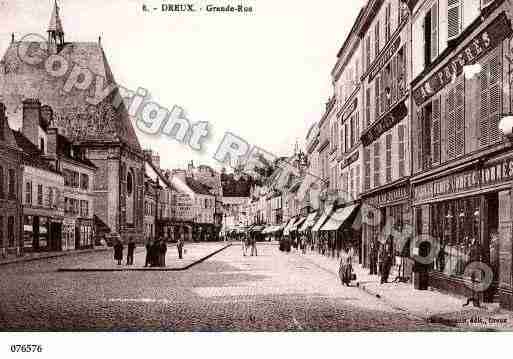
(263, 76)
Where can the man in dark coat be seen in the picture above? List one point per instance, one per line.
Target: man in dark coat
(118, 251)
(179, 246)
(373, 257)
(130, 252)
(163, 250)
(148, 252)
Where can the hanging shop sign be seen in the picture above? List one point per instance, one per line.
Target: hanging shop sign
(488, 39)
(385, 123)
(492, 173)
(384, 58)
(394, 195)
(353, 158)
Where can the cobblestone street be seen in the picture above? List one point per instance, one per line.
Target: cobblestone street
(227, 292)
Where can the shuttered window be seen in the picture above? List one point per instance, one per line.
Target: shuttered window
(453, 19)
(10, 231)
(426, 136)
(353, 134)
(434, 31)
(490, 79)
(387, 22)
(376, 39)
(357, 126)
(1, 231)
(368, 120)
(2, 179)
(12, 184)
(419, 136)
(460, 118)
(357, 180)
(346, 137)
(342, 142)
(377, 93)
(367, 168)
(377, 164)
(389, 158)
(351, 182)
(402, 150)
(450, 117)
(367, 52)
(435, 131)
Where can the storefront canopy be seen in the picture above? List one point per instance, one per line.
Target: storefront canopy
(272, 229)
(322, 219)
(309, 222)
(298, 223)
(286, 230)
(338, 218)
(257, 228)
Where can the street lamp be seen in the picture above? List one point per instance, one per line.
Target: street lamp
(506, 126)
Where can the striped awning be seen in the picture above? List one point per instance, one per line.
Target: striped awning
(338, 218)
(320, 222)
(309, 222)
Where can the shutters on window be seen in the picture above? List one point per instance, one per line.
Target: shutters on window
(419, 137)
(460, 118)
(435, 131)
(495, 99)
(400, 135)
(368, 107)
(450, 115)
(434, 31)
(357, 180)
(387, 23)
(376, 39)
(357, 126)
(453, 19)
(389, 158)
(490, 79)
(367, 168)
(367, 52)
(377, 93)
(377, 164)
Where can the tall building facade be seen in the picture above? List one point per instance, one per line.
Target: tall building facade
(10, 190)
(100, 127)
(385, 36)
(461, 181)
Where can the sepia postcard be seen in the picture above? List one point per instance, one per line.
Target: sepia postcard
(255, 166)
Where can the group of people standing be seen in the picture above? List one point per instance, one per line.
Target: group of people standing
(156, 250)
(381, 259)
(118, 251)
(248, 241)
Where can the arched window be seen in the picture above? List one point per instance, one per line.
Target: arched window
(129, 183)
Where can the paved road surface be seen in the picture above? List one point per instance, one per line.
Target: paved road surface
(228, 292)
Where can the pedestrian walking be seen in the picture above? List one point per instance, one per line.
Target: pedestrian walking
(345, 266)
(163, 251)
(373, 254)
(179, 246)
(130, 252)
(385, 260)
(118, 251)
(148, 245)
(253, 246)
(244, 242)
(154, 253)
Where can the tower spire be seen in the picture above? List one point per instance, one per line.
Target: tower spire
(55, 29)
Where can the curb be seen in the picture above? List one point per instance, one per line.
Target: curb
(143, 269)
(56, 255)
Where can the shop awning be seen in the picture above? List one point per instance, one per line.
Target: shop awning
(322, 219)
(309, 222)
(298, 223)
(257, 228)
(286, 230)
(267, 230)
(338, 218)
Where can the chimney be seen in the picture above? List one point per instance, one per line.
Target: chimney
(51, 147)
(31, 120)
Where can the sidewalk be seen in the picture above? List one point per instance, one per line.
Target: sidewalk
(194, 254)
(430, 305)
(29, 257)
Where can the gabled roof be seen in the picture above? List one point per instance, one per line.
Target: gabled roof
(32, 156)
(64, 151)
(197, 186)
(81, 121)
